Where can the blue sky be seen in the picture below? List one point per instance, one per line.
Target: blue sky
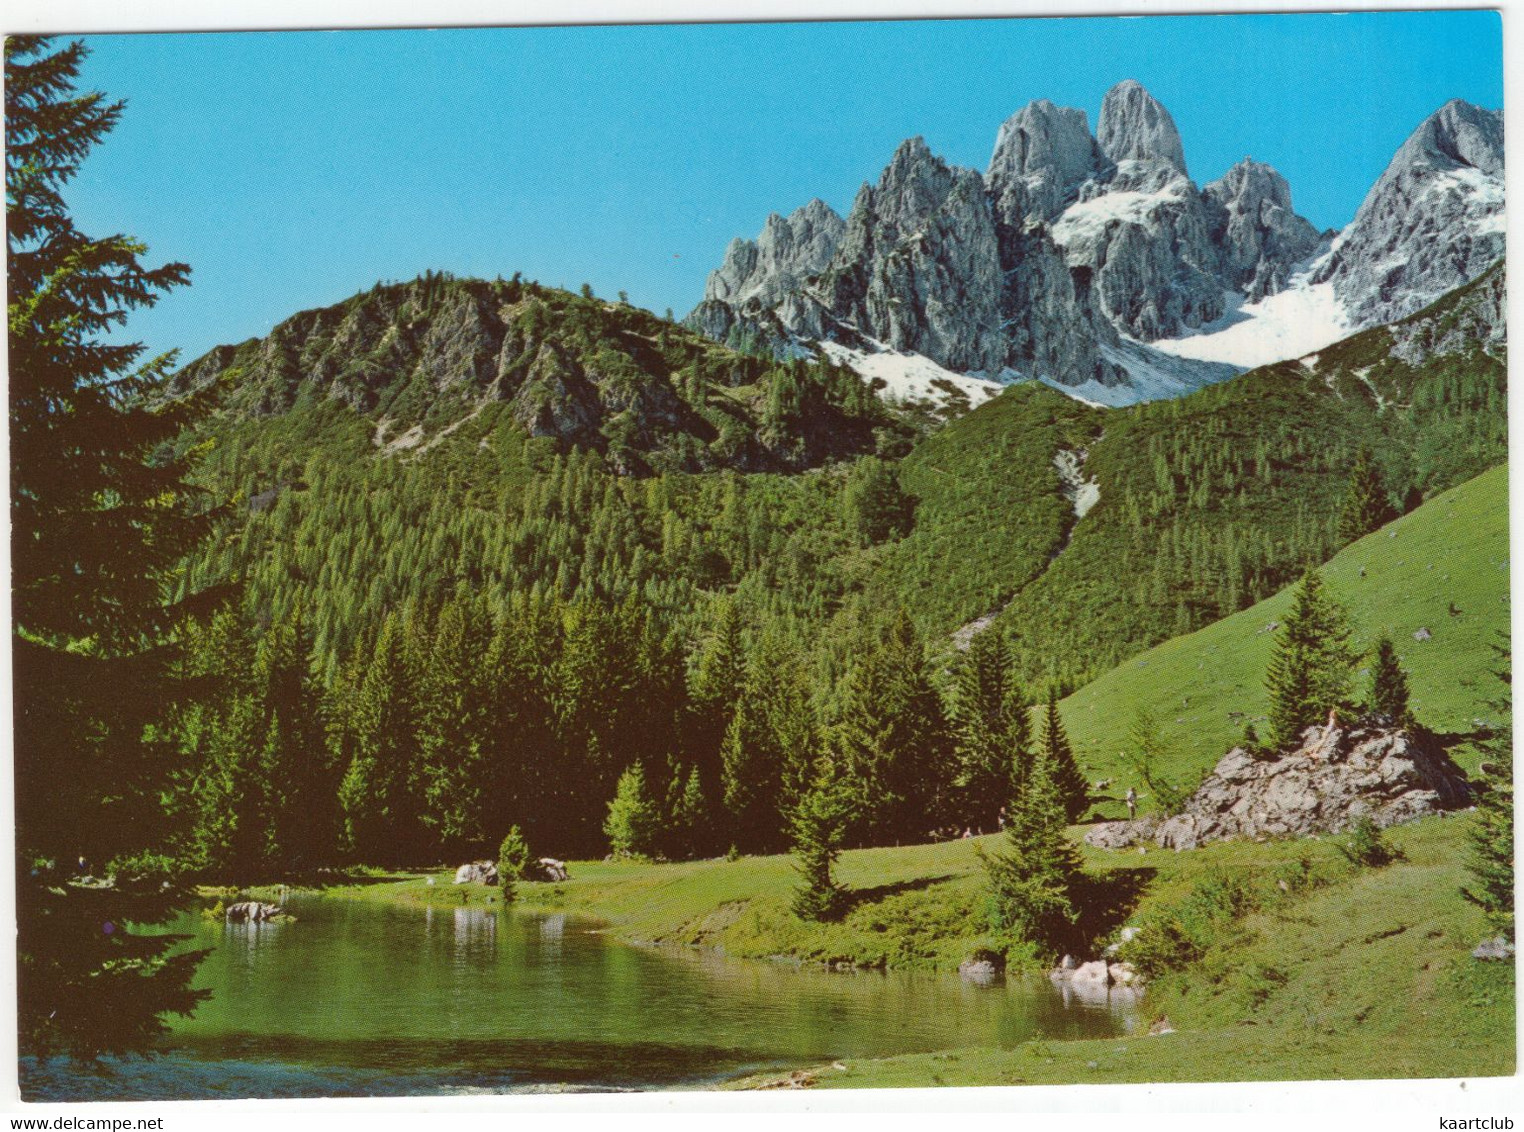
(291, 170)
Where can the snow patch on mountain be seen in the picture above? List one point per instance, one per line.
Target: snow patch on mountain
(1303, 318)
(1152, 375)
(1084, 222)
(910, 377)
(1082, 493)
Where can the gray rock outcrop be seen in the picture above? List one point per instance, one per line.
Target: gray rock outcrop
(251, 912)
(1434, 219)
(551, 869)
(1336, 776)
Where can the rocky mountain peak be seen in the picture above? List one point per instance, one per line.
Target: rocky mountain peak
(1251, 185)
(1434, 220)
(787, 251)
(1046, 152)
(914, 184)
(1261, 238)
(1135, 126)
(1458, 134)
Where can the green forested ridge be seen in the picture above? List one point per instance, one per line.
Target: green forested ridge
(727, 614)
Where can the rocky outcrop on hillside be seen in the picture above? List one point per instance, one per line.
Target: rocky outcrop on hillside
(423, 358)
(1337, 775)
(1073, 251)
(1434, 220)
(1477, 319)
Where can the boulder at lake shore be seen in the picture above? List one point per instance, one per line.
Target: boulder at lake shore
(1336, 776)
(551, 869)
(481, 872)
(251, 911)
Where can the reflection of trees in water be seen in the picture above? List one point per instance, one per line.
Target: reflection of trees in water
(552, 929)
(475, 935)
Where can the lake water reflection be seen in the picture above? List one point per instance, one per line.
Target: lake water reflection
(358, 1000)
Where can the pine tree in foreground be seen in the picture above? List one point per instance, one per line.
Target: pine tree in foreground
(99, 528)
(1032, 882)
(1068, 781)
(1309, 672)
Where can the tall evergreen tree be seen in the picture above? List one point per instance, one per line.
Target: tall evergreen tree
(714, 690)
(99, 525)
(992, 730)
(769, 749)
(1066, 779)
(1032, 882)
(817, 826)
(456, 721)
(1366, 503)
(633, 822)
(894, 745)
(1309, 673)
(1389, 685)
(381, 793)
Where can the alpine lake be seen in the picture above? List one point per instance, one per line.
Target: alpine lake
(362, 999)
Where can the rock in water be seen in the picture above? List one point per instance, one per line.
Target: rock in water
(1336, 776)
(251, 911)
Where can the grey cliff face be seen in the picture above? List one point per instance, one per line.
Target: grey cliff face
(787, 253)
(1043, 154)
(1135, 127)
(918, 265)
(1434, 219)
(1260, 237)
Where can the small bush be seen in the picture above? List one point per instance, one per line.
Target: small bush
(512, 861)
(1365, 847)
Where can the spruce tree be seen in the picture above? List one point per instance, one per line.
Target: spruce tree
(99, 527)
(818, 827)
(456, 721)
(768, 748)
(512, 862)
(989, 718)
(1067, 780)
(381, 793)
(1366, 503)
(1389, 685)
(1032, 882)
(893, 741)
(1309, 672)
(633, 823)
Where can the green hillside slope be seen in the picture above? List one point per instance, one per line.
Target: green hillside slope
(1451, 553)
